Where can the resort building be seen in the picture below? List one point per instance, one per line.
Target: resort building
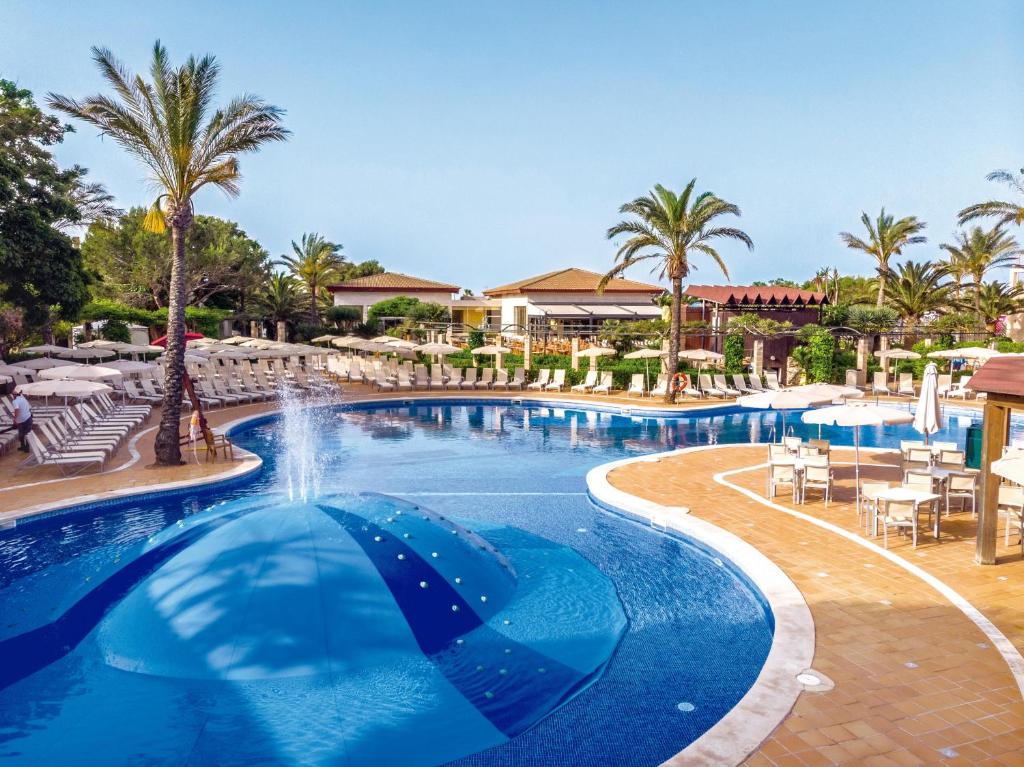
(567, 302)
(364, 292)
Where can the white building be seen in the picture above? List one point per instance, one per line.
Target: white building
(364, 292)
(568, 301)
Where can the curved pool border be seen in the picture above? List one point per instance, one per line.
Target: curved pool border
(775, 691)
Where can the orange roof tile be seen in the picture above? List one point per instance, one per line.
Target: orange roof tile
(571, 280)
(392, 281)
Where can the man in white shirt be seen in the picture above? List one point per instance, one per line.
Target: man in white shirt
(22, 418)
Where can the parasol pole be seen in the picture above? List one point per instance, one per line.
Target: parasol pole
(856, 463)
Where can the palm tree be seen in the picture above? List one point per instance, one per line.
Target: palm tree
(917, 289)
(280, 298)
(315, 262)
(997, 299)
(886, 238)
(826, 280)
(1003, 212)
(976, 252)
(170, 125)
(667, 228)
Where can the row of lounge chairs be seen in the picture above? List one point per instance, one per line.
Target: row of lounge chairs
(905, 387)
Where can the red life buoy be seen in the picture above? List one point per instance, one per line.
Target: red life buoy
(680, 381)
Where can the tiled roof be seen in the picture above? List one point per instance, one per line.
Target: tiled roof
(749, 295)
(392, 281)
(1000, 375)
(571, 281)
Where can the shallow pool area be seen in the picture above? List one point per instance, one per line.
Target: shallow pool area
(429, 584)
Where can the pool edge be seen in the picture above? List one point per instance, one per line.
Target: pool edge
(775, 691)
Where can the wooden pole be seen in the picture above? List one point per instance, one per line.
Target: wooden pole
(994, 436)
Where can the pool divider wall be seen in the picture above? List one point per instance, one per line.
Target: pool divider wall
(767, 703)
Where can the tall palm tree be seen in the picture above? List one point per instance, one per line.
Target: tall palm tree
(976, 252)
(1004, 212)
(667, 228)
(997, 299)
(886, 238)
(171, 126)
(917, 289)
(315, 262)
(280, 298)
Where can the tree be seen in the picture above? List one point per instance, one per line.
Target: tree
(919, 288)
(887, 237)
(667, 228)
(1005, 212)
(976, 252)
(997, 299)
(41, 272)
(826, 280)
(349, 271)
(170, 125)
(315, 262)
(280, 299)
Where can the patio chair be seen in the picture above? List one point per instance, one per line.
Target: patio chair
(823, 445)
(808, 451)
(777, 452)
(780, 474)
(740, 385)
(589, 382)
(961, 390)
(898, 515)
(919, 480)
(661, 387)
(755, 383)
(852, 378)
(1011, 507)
(916, 458)
(422, 379)
(605, 385)
(454, 380)
(906, 387)
(135, 395)
(771, 379)
(707, 388)
(869, 499)
(404, 383)
(542, 380)
(952, 460)
(879, 384)
(382, 383)
(792, 444)
(965, 487)
(469, 379)
(518, 379)
(636, 384)
(817, 476)
(722, 385)
(945, 383)
(557, 381)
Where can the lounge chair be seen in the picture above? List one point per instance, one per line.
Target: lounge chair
(589, 382)
(851, 379)
(755, 383)
(518, 379)
(879, 384)
(137, 396)
(542, 380)
(661, 387)
(557, 381)
(486, 378)
(707, 388)
(945, 383)
(454, 379)
(906, 388)
(63, 458)
(740, 385)
(771, 378)
(605, 384)
(404, 383)
(382, 383)
(961, 390)
(421, 377)
(436, 377)
(636, 385)
(692, 391)
(501, 379)
(723, 385)
(469, 380)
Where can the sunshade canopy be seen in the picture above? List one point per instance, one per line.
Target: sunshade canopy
(80, 373)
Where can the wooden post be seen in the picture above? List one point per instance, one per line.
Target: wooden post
(997, 426)
(254, 329)
(574, 350)
(863, 355)
(282, 331)
(528, 352)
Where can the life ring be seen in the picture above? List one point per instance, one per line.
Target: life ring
(680, 382)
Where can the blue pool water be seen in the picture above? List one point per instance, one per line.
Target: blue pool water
(238, 625)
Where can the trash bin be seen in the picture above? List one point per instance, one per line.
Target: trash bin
(974, 433)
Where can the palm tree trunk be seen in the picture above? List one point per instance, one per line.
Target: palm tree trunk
(881, 291)
(167, 448)
(312, 303)
(673, 334)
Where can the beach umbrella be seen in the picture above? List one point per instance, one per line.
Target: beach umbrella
(928, 415)
(646, 354)
(231, 340)
(87, 354)
(190, 359)
(382, 339)
(401, 343)
(64, 388)
(1010, 467)
(99, 343)
(593, 352)
(797, 398)
(129, 366)
(896, 354)
(6, 379)
(46, 349)
(325, 339)
(42, 363)
(435, 347)
(79, 373)
(162, 340)
(15, 371)
(856, 415)
(700, 356)
(343, 341)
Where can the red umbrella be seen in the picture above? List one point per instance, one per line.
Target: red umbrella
(162, 340)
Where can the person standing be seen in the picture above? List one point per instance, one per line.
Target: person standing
(22, 418)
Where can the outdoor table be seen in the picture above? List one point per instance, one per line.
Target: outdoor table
(917, 497)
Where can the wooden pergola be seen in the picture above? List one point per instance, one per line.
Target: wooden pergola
(1002, 381)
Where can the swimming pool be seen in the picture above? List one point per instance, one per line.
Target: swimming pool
(145, 623)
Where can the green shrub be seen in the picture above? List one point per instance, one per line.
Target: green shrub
(116, 330)
(734, 352)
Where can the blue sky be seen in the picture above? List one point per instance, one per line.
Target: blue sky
(482, 142)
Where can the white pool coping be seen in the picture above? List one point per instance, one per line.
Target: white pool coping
(768, 702)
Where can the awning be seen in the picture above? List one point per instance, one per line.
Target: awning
(601, 311)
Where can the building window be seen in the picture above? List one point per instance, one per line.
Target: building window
(520, 316)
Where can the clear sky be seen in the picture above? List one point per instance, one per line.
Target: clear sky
(482, 142)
